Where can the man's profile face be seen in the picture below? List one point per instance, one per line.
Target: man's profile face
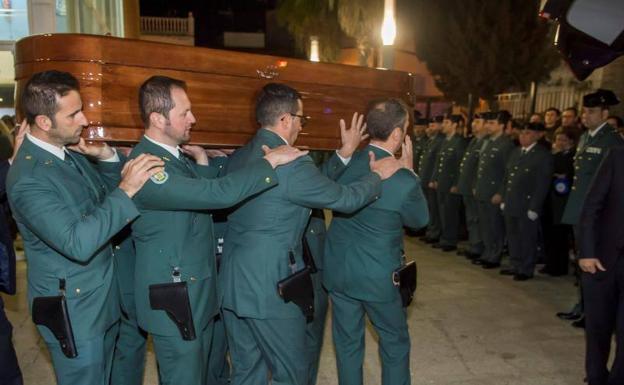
(593, 117)
(477, 126)
(295, 123)
(68, 121)
(181, 119)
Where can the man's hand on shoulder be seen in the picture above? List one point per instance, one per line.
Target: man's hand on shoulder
(385, 167)
(137, 171)
(281, 155)
(196, 152)
(97, 150)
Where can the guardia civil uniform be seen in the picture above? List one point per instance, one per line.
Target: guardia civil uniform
(315, 330)
(175, 232)
(129, 357)
(67, 211)
(426, 167)
(361, 252)
(265, 334)
(465, 186)
(526, 186)
(446, 175)
(589, 153)
(490, 174)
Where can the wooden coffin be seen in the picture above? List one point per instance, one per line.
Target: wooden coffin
(222, 86)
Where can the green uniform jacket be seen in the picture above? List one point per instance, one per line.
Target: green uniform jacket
(527, 181)
(468, 167)
(364, 248)
(589, 154)
(428, 159)
(175, 230)
(263, 230)
(446, 172)
(67, 221)
(419, 144)
(492, 166)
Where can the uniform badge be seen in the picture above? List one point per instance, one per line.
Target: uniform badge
(593, 150)
(160, 177)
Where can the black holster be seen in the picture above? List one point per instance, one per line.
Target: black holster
(406, 279)
(174, 300)
(52, 313)
(298, 288)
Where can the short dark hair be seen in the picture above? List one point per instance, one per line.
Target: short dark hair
(571, 132)
(273, 101)
(42, 90)
(553, 109)
(573, 109)
(384, 116)
(155, 96)
(503, 117)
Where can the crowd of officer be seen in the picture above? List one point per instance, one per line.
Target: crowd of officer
(511, 187)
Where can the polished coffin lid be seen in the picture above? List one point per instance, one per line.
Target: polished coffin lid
(222, 86)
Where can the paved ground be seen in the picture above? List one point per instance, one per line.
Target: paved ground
(468, 326)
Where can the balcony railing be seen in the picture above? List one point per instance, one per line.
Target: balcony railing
(176, 26)
(519, 103)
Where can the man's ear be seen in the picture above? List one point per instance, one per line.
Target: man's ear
(43, 122)
(397, 133)
(157, 120)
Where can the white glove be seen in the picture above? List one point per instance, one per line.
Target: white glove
(502, 206)
(532, 215)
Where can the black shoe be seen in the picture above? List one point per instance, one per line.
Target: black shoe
(570, 316)
(544, 270)
(448, 248)
(431, 240)
(580, 323)
(437, 245)
(478, 261)
(507, 272)
(522, 277)
(463, 252)
(423, 238)
(472, 256)
(490, 265)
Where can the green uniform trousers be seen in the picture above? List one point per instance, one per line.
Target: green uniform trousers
(389, 320)
(492, 225)
(129, 357)
(218, 365)
(183, 362)
(434, 227)
(315, 330)
(94, 361)
(475, 242)
(266, 348)
(449, 205)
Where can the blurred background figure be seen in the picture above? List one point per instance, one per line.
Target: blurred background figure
(558, 236)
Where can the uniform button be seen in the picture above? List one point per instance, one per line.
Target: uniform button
(127, 220)
(193, 279)
(512, 174)
(573, 187)
(311, 231)
(117, 247)
(575, 177)
(77, 290)
(267, 179)
(492, 182)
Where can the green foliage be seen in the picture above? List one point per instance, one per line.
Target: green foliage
(306, 18)
(483, 47)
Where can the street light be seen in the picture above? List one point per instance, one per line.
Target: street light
(388, 34)
(314, 48)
